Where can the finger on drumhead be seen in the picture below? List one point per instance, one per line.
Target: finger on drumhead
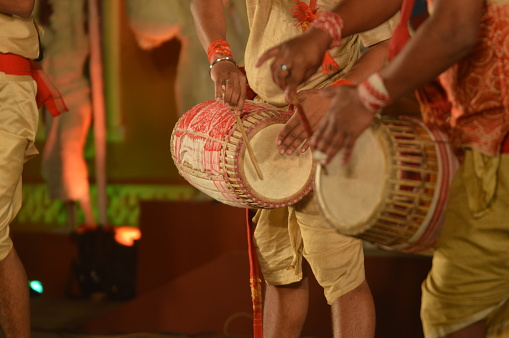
(287, 129)
(285, 150)
(267, 55)
(347, 153)
(305, 146)
(294, 142)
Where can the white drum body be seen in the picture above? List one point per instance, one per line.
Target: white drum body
(394, 189)
(209, 152)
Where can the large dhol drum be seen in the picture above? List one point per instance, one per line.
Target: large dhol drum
(209, 152)
(394, 189)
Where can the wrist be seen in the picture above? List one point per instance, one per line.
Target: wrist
(218, 49)
(221, 59)
(215, 57)
(319, 37)
(332, 24)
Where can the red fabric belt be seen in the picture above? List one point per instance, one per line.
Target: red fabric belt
(15, 65)
(47, 94)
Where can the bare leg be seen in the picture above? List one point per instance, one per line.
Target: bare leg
(476, 330)
(285, 309)
(14, 298)
(353, 314)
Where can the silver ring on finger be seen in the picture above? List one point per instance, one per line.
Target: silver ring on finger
(285, 68)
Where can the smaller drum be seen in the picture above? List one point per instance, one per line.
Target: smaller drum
(209, 152)
(394, 189)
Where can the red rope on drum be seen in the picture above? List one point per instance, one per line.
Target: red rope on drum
(255, 282)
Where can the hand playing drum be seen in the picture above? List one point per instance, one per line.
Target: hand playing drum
(294, 135)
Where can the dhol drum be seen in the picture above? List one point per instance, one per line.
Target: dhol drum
(393, 191)
(209, 152)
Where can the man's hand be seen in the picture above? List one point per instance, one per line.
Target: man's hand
(314, 105)
(296, 60)
(230, 85)
(346, 119)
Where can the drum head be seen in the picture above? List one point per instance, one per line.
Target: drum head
(285, 177)
(351, 195)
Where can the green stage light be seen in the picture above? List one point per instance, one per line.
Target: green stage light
(36, 286)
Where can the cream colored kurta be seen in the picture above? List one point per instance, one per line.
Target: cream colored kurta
(17, 36)
(18, 120)
(271, 23)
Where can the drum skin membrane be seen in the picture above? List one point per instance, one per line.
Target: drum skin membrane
(283, 175)
(352, 193)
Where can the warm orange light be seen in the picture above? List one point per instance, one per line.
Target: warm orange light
(126, 235)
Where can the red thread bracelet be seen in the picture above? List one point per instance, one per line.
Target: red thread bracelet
(332, 24)
(373, 94)
(219, 47)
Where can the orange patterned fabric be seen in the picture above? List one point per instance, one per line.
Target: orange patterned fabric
(478, 86)
(342, 82)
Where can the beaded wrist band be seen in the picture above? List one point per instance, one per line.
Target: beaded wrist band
(332, 24)
(373, 94)
(219, 47)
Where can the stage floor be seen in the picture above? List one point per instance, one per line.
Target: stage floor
(192, 280)
(62, 317)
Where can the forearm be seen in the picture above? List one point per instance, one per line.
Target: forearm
(441, 41)
(21, 8)
(371, 61)
(362, 15)
(209, 21)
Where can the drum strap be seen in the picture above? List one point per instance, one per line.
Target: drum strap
(255, 281)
